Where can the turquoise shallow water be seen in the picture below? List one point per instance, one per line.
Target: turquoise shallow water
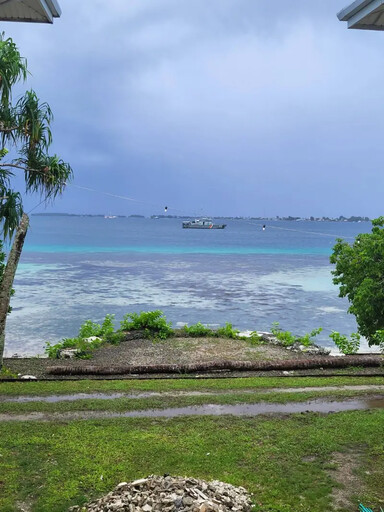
(55, 249)
(78, 268)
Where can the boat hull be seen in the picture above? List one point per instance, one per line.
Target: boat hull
(213, 226)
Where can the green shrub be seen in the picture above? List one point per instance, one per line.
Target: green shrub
(89, 328)
(6, 373)
(359, 270)
(286, 337)
(108, 327)
(379, 339)
(153, 323)
(53, 350)
(114, 338)
(84, 348)
(227, 331)
(307, 340)
(345, 345)
(104, 333)
(197, 330)
(255, 339)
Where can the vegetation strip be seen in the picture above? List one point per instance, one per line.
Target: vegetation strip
(32, 388)
(291, 364)
(152, 394)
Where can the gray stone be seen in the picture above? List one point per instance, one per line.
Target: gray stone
(67, 353)
(297, 346)
(91, 338)
(171, 494)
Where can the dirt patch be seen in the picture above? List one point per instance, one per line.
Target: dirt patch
(143, 351)
(349, 483)
(188, 350)
(191, 350)
(23, 506)
(309, 458)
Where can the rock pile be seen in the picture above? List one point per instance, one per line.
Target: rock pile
(312, 349)
(171, 494)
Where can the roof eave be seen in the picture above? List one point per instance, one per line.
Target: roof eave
(346, 13)
(49, 10)
(55, 8)
(357, 15)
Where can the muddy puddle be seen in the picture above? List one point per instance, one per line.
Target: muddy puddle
(319, 406)
(154, 394)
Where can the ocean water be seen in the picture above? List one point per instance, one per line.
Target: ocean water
(78, 268)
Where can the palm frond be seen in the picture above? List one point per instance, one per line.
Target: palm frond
(8, 124)
(13, 68)
(11, 210)
(33, 120)
(27, 127)
(5, 176)
(47, 175)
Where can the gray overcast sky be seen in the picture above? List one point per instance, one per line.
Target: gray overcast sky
(227, 107)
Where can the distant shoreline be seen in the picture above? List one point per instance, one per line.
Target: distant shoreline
(269, 219)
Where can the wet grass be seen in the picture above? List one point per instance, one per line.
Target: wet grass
(284, 462)
(164, 402)
(93, 386)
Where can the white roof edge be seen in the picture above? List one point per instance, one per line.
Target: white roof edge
(347, 13)
(55, 8)
(47, 10)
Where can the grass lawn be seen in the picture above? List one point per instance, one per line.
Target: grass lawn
(290, 463)
(287, 463)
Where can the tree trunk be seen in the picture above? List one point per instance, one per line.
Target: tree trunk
(8, 277)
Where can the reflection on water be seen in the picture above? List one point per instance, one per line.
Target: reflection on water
(319, 406)
(151, 394)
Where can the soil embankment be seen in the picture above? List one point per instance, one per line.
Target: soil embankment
(192, 356)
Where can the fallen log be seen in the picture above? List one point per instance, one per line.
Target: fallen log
(365, 361)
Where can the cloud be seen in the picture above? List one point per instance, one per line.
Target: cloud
(276, 100)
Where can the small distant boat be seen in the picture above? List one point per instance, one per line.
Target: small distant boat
(203, 223)
(110, 217)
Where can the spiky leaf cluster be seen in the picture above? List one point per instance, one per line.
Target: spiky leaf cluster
(25, 129)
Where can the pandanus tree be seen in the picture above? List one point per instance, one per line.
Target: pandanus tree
(25, 134)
